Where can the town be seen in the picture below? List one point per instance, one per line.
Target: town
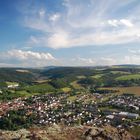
(49, 109)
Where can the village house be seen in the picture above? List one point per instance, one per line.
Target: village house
(13, 85)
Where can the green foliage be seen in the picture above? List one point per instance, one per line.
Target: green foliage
(129, 77)
(26, 91)
(3, 85)
(87, 81)
(8, 95)
(62, 72)
(40, 88)
(62, 77)
(16, 120)
(59, 83)
(10, 74)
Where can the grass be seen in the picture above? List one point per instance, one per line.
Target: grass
(72, 98)
(66, 89)
(108, 108)
(14, 94)
(97, 76)
(135, 131)
(75, 97)
(121, 72)
(27, 91)
(75, 85)
(133, 90)
(23, 93)
(81, 77)
(11, 83)
(128, 77)
(42, 81)
(40, 88)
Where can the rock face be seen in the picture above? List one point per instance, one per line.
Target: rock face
(14, 135)
(67, 133)
(107, 133)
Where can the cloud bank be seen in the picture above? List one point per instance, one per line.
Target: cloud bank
(84, 23)
(26, 58)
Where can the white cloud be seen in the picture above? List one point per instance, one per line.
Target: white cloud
(81, 61)
(42, 13)
(6, 65)
(27, 55)
(113, 22)
(132, 59)
(34, 40)
(85, 23)
(54, 17)
(36, 24)
(89, 61)
(26, 58)
(138, 35)
(108, 61)
(126, 22)
(58, 40)
(134, 52)
(78, 61)
(121, 22)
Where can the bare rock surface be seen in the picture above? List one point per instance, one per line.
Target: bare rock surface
(67, 133)
(107, 133)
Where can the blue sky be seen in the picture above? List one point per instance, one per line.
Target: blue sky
(69, 32)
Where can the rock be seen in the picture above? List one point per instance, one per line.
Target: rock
(57, 132)
(107, 133)
(89, 138)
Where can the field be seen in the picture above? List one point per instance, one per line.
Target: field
(23, 71)
(129, 77)
(41, 81)
(72, 98)
(39, 88)
(81, 77)
(121, 72)
(11, 83)
(75, 85)
(97, 76)
(66, 89)
(134, 90)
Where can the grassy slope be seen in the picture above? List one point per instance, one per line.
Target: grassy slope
(45, 87)
(135, 131)
(121, 72)
(134, 90)
(129, 77)
(97, 76)
(75, 85)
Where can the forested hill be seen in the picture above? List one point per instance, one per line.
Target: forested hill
(101, 76)
(61, 72)
(18, 75)
(98, 76)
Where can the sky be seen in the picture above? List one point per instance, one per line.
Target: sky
(37, 33)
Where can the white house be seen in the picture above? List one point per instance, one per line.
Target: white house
(13, 86)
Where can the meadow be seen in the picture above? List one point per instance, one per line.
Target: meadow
(132, 90)
(129, 77)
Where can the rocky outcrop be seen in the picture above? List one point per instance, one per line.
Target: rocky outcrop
(67, 133)
(107, 133)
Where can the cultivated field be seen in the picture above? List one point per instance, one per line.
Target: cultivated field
(129, 77)
(133, 90)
